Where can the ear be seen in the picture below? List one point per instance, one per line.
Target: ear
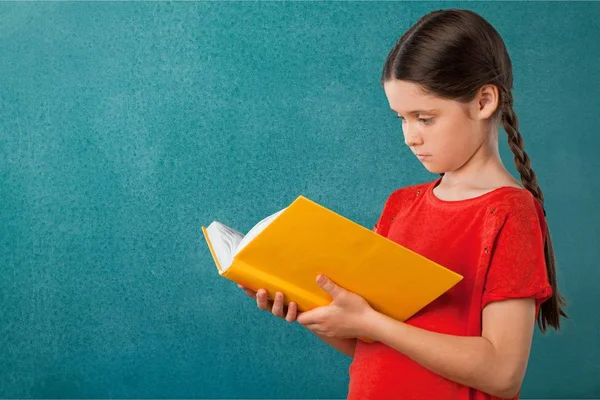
(486, 101)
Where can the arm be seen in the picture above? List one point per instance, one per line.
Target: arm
(343, 345)
(494, 363)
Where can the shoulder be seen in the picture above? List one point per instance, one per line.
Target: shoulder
(519, 202)
(405, 193)
(399, 199)
(519, 207)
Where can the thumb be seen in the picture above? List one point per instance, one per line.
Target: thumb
(329, 286)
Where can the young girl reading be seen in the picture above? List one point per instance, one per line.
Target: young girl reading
(449, 80)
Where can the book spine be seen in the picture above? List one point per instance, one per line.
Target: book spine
(254, 279)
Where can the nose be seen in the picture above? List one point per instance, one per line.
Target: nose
(411, 135)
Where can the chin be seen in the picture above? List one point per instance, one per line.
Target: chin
(437, 167)
(433, 169)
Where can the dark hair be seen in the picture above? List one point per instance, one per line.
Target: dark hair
(452, 54)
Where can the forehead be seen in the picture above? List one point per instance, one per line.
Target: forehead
(405, 97)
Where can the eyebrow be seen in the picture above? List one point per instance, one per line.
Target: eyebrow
(418, 111)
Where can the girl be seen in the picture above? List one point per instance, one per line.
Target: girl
(449, 80)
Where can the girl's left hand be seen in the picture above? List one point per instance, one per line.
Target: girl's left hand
(345, 317)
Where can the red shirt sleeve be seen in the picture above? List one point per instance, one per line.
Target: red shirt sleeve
(518, 266)
(385, 218)
(376, 227)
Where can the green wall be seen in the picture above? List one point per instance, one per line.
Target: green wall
(126, 126)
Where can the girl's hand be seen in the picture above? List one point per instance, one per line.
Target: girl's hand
(347, 316)
(277, 308)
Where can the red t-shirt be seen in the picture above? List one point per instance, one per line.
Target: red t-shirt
(495, 241)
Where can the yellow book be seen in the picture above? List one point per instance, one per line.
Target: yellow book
(287, 251)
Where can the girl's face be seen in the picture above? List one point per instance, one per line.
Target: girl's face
(443, 134)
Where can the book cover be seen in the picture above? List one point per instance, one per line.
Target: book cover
(308, 239)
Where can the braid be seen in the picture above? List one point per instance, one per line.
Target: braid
(510, 122)
(551, 310)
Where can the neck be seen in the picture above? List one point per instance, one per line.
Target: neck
(483, 170)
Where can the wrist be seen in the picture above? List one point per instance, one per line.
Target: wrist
(370, 323)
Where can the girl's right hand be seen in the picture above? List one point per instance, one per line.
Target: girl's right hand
(290, 312)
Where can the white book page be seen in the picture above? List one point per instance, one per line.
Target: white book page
(256, 229)
(224, 241)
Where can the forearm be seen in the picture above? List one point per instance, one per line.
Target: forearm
(468, 360)
(343, 345)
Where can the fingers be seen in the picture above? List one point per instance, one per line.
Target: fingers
(289, 313)
(276, 307)
(292, 313)
(262, 301)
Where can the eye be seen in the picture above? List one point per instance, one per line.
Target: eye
(424, 121)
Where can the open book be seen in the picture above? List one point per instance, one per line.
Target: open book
(227, 242)
(287, 250)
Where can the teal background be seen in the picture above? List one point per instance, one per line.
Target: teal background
(126, 126)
